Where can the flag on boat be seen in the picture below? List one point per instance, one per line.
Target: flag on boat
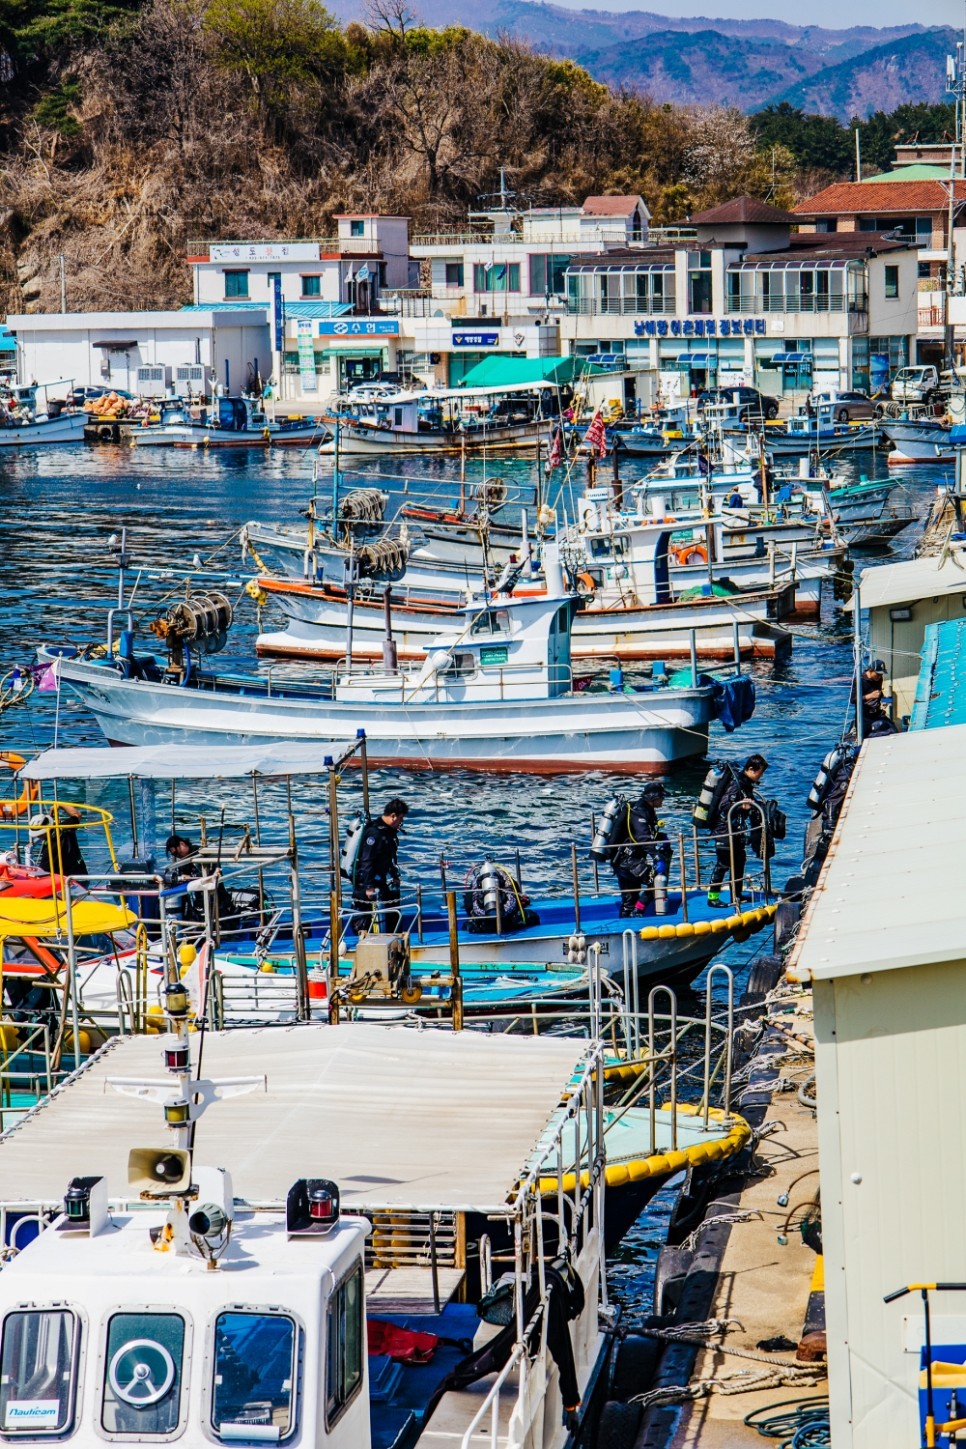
(556, 450)
(596, 435)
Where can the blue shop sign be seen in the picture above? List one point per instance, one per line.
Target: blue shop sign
(476, 339)
(362, 327)
(701, 327)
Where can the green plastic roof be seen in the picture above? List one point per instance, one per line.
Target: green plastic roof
(504, 371)
(912, 173)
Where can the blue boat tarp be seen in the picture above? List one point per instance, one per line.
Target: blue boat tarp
(941, 687)
(733, 701)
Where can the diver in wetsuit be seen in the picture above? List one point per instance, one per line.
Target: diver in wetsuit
(644, 850)
(376, 882)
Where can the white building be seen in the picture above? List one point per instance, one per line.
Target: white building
(146, 352)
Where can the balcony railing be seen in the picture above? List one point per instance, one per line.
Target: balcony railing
(820, 302)
(619, 307)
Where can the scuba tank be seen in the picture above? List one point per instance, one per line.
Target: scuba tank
(349, 854)
(488, 881)
(603, 841)
(711, 791)
(823, 780)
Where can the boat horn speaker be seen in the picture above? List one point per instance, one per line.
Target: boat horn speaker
(160, 1170)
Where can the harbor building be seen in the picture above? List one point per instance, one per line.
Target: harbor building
(911, 202)
(882, 947)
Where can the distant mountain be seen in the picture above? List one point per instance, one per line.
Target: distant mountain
(704, 60)
(910, 69)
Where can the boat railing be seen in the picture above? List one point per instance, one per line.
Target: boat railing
(47, 834)
(27, 1071)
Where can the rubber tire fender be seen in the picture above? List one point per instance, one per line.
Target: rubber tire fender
(618, 1425)
(636, 1365)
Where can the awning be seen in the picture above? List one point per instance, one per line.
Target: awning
(27, 916)
(698, 359)
(791, 357)
(507, 371)
(188, 762)
(436, 1120)
(115, 346)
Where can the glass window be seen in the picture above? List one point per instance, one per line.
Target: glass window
(892, 282)
(38, 1372)
(357, 228)
(312, 286)
(345, 1345)
(924, 230)
(143, 1374)
(255, 1369)
(496, 277)
(539, 273)
(236, 284)
(454, 274)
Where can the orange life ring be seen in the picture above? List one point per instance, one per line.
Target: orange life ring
(11, 809)
(587, 585)
(687, 553)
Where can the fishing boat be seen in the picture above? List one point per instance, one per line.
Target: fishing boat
(454, 420)
(628, 609)
(816, 431)
(919, 440)
(237, 422)
(29, 416)
(497, 691)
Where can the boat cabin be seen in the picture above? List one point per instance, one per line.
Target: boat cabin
(502, 647)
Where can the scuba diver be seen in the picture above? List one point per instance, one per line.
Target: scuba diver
(875, 720)
(729, 821)
(640, 852)
(236, 910)
(491, 886)
(375, 876)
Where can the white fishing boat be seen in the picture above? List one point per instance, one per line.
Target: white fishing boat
(329, 1283)
(454, 420)
(627, 613)
(919, 440)
(236, 422)
(30, 416)
(495, 692)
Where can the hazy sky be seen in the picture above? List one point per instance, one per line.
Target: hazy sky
(819, 12)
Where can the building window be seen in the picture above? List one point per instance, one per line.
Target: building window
(548, 275)
(357, 228)
(454, 274)
(892, 282)
(496, 277)
(345, 1336)
(312, 286)
(236, 284)
(925, 269)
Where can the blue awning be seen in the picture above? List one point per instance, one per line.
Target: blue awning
(698, 359)
(792, 357)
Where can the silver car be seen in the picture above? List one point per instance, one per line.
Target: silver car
(847, 407)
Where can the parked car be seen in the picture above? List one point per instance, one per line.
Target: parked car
(81, 396)
(751, 403)
(847, 407)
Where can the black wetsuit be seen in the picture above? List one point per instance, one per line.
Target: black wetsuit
(738, 788)
(634, 860)
(376, 872)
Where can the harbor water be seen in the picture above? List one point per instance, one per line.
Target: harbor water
(61, 506)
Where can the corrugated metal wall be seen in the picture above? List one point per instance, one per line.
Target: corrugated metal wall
(891, 1067)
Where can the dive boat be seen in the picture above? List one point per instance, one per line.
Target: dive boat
(237, 422)
(23, 426)
(453, 420)
(816, 431)
(497, 692)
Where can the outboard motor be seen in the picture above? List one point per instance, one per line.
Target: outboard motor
(603, 841)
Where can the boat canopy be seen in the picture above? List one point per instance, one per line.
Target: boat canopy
(429, 1120)
(43, 918)
(504, 373)
(910, 581)
(189, 762)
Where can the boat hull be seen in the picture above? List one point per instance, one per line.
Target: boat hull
(918, 443)
(645, 732)
(68, 428)
(355, 438)
(191, 437)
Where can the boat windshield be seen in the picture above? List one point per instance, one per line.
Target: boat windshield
(38, 1372)
(254, 1387)
(143, 1372)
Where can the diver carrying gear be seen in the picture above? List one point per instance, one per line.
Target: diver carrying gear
(640, 851)
(730, 822)
(376, 882)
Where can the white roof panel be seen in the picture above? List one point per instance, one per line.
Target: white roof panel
(891, 894)
(397, 1117)
(905, 583)
(186, 762)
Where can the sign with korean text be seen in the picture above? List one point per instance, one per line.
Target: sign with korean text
(701, 327)
(358, 327)
(476, 339)
(263, 252)
(307, 374)
(278, 309)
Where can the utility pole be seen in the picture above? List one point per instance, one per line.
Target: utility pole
(63, 284)
(955, 87)
(858, 155)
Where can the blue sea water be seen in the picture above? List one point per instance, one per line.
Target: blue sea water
(60, 507)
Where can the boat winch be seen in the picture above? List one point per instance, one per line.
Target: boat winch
(381, 970)
(362, 505)
(197, 623)
(385, 558)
